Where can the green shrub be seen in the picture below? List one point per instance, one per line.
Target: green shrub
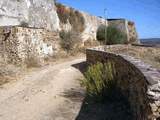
(111, 35)
(69, 39)
(102, 33)
(115, 36)
(100, 80)
(24, 24)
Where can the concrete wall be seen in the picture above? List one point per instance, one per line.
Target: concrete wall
(18, 43)
(138, 81)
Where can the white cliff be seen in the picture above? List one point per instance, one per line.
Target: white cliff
(33, 13)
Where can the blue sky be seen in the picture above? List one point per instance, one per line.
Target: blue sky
(145, 13)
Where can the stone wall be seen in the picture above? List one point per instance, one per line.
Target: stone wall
(138, 81)
(33, 13)
(19, 43)
(128, 27)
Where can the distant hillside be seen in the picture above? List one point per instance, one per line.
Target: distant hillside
(151, 41)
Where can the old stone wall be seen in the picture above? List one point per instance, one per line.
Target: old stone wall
(31, 13)
(19, 43)
(138, 81)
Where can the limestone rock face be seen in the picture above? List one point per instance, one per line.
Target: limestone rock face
(33, 13)
(92, 23)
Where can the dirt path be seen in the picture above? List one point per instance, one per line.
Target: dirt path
(45, 94)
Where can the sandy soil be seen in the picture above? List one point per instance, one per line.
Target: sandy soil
(44, 94)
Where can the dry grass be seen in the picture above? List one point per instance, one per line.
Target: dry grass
(9, 73)
(149, 55)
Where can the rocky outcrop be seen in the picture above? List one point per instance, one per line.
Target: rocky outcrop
(84, 24)
(138, 81)
(31, 13)
(92, 24)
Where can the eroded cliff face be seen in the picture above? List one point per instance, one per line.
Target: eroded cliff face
(32, 13)
(84, 24)
(92, 23)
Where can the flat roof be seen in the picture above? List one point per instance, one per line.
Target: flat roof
(116, 19)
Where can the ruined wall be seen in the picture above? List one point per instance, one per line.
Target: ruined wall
(33, 13)
(19, 44)
(128, 27)
(138, 81)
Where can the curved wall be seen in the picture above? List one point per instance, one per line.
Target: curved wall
(138, 81)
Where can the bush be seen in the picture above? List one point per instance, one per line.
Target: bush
(100, 80)
(69, 40)
(24, 24)
(115, 36)
(112, 35)
(101, 35)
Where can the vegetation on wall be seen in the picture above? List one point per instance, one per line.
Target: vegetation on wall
(74, 17)
(111, 35)
(102, 33)
(24, 24)
(69, 40)
(100, 81)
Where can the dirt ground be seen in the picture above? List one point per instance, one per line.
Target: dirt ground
(150, 55)
(44, 94)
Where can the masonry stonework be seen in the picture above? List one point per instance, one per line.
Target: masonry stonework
(138, 81)
(17, 43)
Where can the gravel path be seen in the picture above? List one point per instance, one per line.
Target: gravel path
(44, 94)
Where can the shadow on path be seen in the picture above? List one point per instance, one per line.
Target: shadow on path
(116, 108)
